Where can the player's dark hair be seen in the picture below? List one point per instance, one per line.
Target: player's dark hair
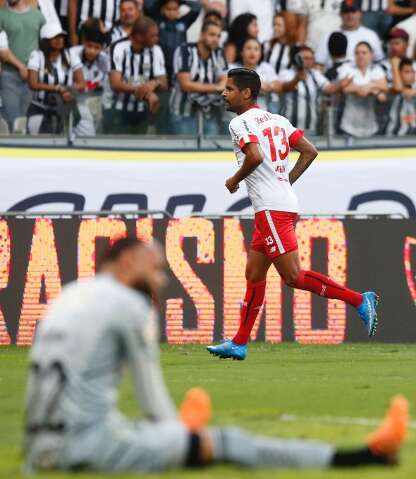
(246, 78)
(337, 44)
(404, 62)
(113, 252)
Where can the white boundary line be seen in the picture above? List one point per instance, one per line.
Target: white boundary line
(356, 421)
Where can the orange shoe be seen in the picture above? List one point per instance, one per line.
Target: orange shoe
(195, 410)
(389, 437)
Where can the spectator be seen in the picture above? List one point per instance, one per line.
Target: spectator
(263, 11)
(95, 67)
(402, 115)
(200, 74)
(214, 16)
(244, 26)
(351, 17)
(108, 11)
(277, 50)
(304, 86)
(367, 84)
(130, 11)
(251, 57)
(409, 25)
(396, 48)
(207, 5)
(295, 20)
(323, 18)
(376, 16)
(400, 10)
(7, 56)
(61, 7)
(316, 18)
(22, 25)
(54, 75)
(137, 72)
(173, 28)
(48, 10)
(337, 47)
(95, 61)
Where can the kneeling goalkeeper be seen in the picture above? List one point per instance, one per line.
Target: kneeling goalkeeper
(89, 334)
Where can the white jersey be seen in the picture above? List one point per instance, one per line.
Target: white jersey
(89, 333)
(268, 185)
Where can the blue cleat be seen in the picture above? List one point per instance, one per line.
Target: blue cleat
(367, 312)
(229, 350)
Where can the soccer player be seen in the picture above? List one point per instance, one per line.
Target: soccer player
(91, 331)
(262, 142)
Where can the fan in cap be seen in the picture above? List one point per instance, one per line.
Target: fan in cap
(51, 30)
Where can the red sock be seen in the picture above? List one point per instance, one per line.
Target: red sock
(252, 303)
(323, 286)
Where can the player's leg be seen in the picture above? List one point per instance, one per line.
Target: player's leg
(286, 260)
(288, 266)
(236, 446)
(257, 267)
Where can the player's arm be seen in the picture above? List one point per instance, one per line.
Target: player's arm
(308, 153)
(253, 158)
(140, 342)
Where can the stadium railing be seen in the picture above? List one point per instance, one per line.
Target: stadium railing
(328, 139)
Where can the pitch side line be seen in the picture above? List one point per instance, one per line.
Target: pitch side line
(357, 421)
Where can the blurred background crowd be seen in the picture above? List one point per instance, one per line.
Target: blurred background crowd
(159, 66)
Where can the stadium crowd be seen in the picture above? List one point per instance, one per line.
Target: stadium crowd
(139, 66)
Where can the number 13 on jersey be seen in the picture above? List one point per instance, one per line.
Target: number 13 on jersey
(280, 146)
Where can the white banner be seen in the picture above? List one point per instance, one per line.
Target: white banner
(374, 181)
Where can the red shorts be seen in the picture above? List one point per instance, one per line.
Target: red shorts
(274, 233)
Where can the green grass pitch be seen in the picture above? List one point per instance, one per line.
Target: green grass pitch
(314, 384)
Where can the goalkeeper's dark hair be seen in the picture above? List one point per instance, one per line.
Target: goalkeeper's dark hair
(113, 252)
(246, 78)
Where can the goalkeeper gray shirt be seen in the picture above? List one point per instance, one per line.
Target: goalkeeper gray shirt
(89, 333)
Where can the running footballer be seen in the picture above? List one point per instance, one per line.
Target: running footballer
(262, 142)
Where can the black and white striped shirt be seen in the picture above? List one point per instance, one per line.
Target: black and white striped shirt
(62, 73)
(106, 10)
(302, 106)
(61, 7)
(278, 56)
(136, 69)
(374, 5)
(187, 59)
(117, 33)
(402, 116)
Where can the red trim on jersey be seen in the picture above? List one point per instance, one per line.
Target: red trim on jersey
(295, 137)
(246, 139)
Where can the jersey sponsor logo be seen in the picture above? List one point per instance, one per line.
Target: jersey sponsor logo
(262, 119)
